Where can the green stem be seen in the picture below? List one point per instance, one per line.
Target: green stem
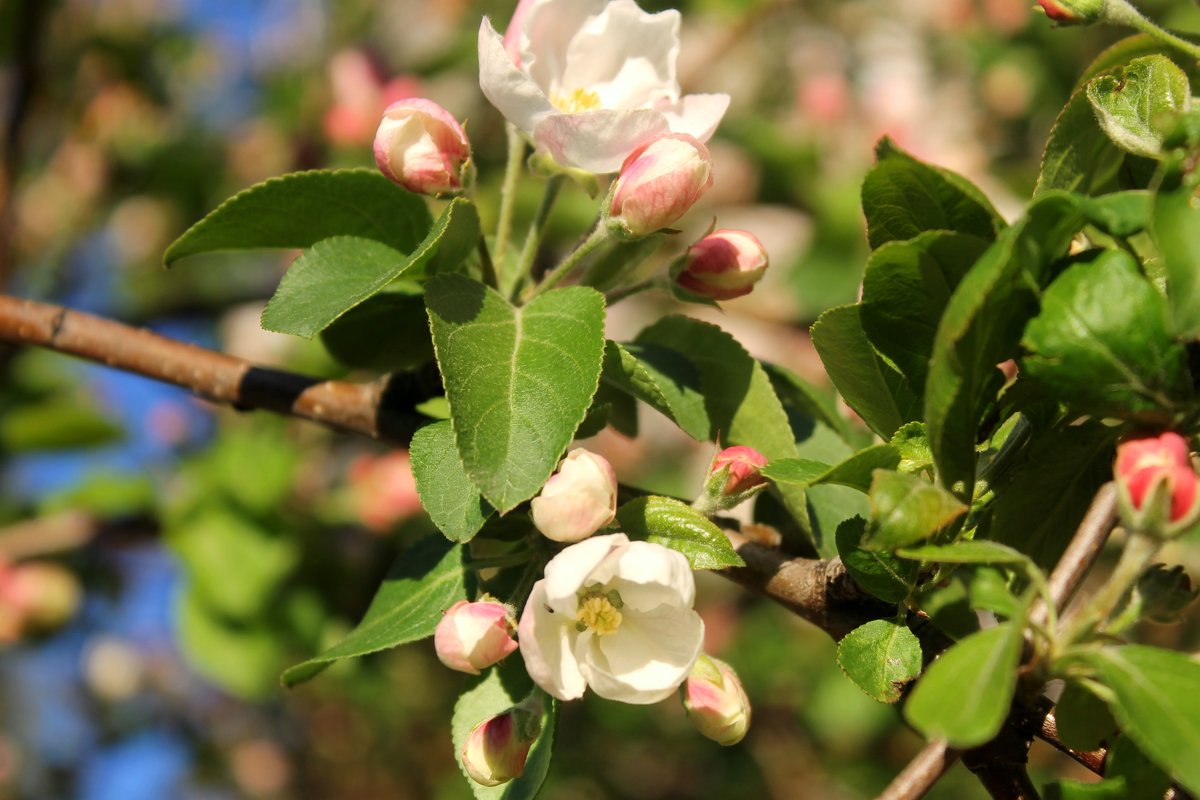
(595, 239)
(521, 556)
(1122, 12)
(1139, 549)
(617, 295)
(534, 238)
(508, 189)
(489, 269)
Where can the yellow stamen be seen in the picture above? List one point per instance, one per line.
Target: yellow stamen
(598, 613)
(578, 100)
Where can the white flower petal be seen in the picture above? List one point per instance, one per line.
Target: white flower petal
(626, 56)
(647, 658)
(547, 647)
(696, 114)
(567, 572)
(597, 141)
(652, 575)
(549, 27)
(508, 88)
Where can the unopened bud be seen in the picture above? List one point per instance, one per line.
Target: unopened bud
(658, 183)
(715, 701)
(1163, 592)
(44, 595)
(723, 265)
(421, 146)
(578, 500)
(734, 476)
(1158, 486)
(1073, 12)
(496, 749)
(472, 636)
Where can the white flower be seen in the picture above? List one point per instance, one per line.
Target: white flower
(590, 80)
(614, 615)
(578, 500)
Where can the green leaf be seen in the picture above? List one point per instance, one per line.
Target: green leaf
(905, 291)
(967, 552)
(1039, 507)
(829, 505)
(882, 574)
(661, 378)
(449, 497)
(1135, 102)
(336, 274)
(1101, 346)
(425, 581)
(912, 443)
(880, 657)
(1157, 702)
(964, 696)
(1083, 720)
(1175, 225)
(1109, 789)
(519, 381)
(493, 693)
(385, 333)
(301, 209)
(1079, 156)
(241, 659)
(802, 398)
(672, 524)
(1126, 761)
(903, 197)
(982, 327)
(854, 472)
(871, 386)
(988, 590)
(906, 509)
(54, 425)
(1120, 213)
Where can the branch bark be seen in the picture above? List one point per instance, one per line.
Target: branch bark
(922, 772)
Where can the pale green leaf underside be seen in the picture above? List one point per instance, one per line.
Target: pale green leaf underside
(672, 524)
(880, 657)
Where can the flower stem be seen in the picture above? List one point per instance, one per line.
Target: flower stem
(597, 237)
(1122, 12)
(508, 189)
(617, 295)
(488, 268)
(1139, 549)
(534, 238)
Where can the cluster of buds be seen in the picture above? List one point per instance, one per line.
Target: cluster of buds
(496, 749)
(1159, 488)
(715, 701)
(421, 146)
(578, 500)
(473, 636)
(36, 598)
(734, 476)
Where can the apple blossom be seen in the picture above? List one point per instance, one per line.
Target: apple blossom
(496, 749)
(614, 615)
(659, 182)
(590, 80)
(715, 701)
(1159, 489)
(578, 500)
(421, 146)
(723, 265)
(473, 636)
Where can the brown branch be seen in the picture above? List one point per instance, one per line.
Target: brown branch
(922, 772)
(381, 409)
(1082, 552)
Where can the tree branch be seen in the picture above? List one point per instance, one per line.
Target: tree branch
(1082, 552)
(922, 772)
(382, 409)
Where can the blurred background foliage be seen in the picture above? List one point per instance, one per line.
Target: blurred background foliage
(214, 549)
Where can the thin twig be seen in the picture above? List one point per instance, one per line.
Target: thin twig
(381, 409)
(1082, 552)
(926, 768)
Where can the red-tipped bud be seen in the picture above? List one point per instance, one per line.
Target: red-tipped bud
(578, 500)
(496, 749)
(1073, 12)
(1159, 487)
(723, 265)
(473, 636)
(421, 146)
(734, 476)
(715, 701)
(658, 183)
(41, 596)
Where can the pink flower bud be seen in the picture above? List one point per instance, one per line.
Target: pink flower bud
(42, 594)
(473, 636)
(383, 490)
(723, 265)
(1157, 471)
(1073, 12)
(715, 701)
(578, 500)
(496, 749)
(659, 182)
(740, 466)
(421, 146)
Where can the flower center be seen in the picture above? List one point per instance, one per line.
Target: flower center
(599, 613)
(578, 100)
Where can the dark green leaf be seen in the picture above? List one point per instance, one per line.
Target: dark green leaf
(519, 381)
(449, 497)
(880, 657)
(1100, 343)
(906, 509)
(903, 197)
(1120, 213)
(905, 291)
(854, 472)
(386, 333)
(1144, 778)
(672, 524)
(54, 425)
(966, 552)
(301, 209)
(989, 591)
(964, 696)
(882, 574)
(425, 581)
(982, 327)
(800, 397)
(1083, 720)
(871, 386)
(662, 379)
(1134, 102)
(1176, 229)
